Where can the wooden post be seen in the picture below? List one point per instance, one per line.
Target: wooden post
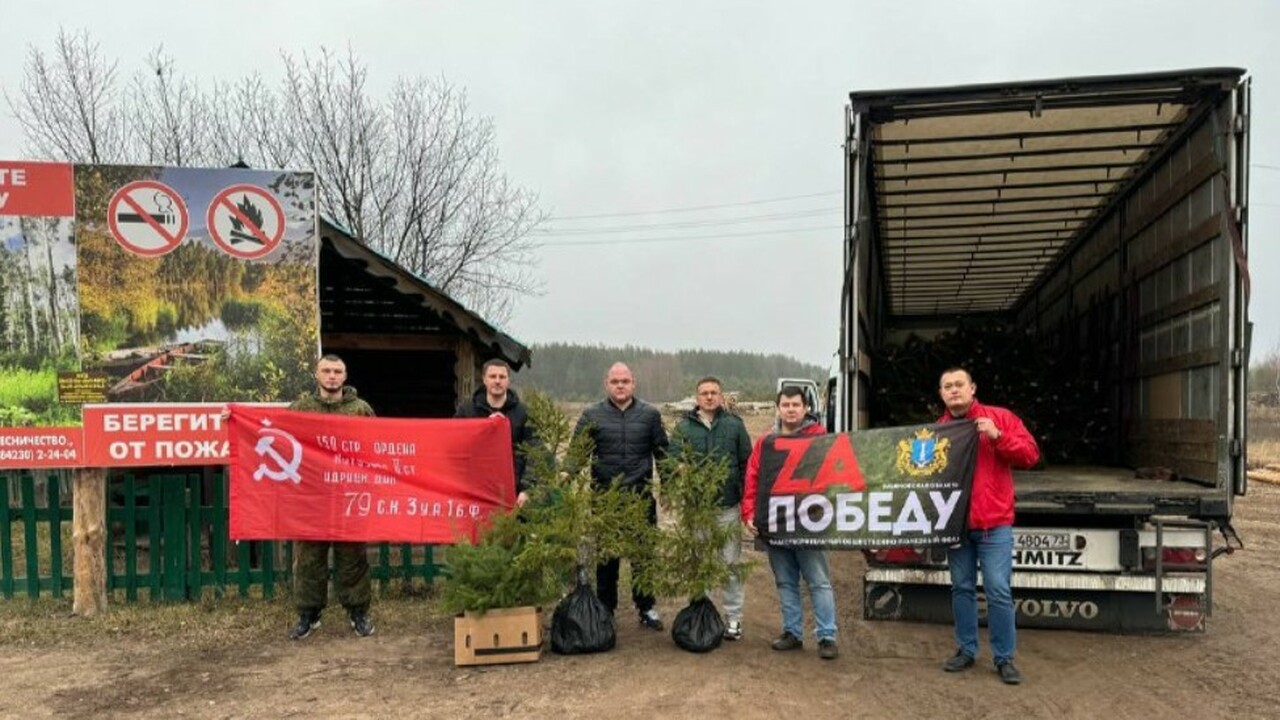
(89, 534)
(464, 371)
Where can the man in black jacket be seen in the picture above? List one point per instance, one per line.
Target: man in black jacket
(629, 437)
(497, 397)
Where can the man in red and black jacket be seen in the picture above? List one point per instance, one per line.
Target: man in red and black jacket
(1003, 444)
(789, 565)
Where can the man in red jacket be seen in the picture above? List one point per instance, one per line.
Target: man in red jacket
(1003, 444)
(789, 565)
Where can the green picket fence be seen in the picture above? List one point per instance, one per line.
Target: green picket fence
(37, 557)
(168, 541)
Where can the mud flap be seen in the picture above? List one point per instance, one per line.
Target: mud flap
(1054, 609)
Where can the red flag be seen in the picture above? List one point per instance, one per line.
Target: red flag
(317, 476)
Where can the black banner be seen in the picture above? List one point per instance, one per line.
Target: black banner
(889, 487)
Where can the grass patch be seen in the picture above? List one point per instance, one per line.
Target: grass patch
(210, 623)
(1264, 437)
(21, 385)
(1264, 453)
(30, 397)
(47, 622)
(1264, 423)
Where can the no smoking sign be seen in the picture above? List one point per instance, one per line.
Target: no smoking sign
(246, 221)
(147, 218)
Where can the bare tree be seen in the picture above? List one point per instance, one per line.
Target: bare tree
(340, 136)
(168, 116)
(68, 105)
(247, 125)
(415, 176)
(418, 177)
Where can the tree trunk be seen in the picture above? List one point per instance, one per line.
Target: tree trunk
(55, 327)
(33, 331)
(5, 310)
(89, 533)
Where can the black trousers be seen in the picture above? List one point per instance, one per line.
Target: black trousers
(607, 573)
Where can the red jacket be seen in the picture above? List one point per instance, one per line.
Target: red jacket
(752, 481)
(991, 502)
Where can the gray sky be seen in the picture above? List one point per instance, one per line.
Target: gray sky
(613, 109)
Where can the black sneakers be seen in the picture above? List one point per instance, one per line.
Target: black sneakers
(959, 661)
(651, 620)
(310, 620)
(1009, 674)
(828, 650)
(786, 641)
(307, 621)
(361, 623)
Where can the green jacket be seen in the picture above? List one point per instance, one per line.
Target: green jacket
(726, 438)
(348, 404)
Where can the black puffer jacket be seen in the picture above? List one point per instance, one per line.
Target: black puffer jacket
(521, 432)
(627, 442)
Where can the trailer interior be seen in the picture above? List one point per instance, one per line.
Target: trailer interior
(1101, 219)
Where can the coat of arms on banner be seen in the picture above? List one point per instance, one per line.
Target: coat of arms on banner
(924, 454)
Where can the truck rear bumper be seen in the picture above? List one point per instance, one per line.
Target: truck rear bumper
(1178, 584)
(1068, 601)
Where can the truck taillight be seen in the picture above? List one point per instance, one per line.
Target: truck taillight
(1184, 556)
(1176, 558)
(899, 555)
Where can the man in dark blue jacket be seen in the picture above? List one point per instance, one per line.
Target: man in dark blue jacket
(497, 397)
(628, 437)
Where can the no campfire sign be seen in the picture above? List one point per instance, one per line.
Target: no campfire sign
(246, 221)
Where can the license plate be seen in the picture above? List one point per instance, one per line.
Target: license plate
(1041, 541)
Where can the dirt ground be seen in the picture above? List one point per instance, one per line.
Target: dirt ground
(888, 670)
(885, 669)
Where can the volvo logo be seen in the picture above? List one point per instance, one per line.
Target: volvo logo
(1067, 609)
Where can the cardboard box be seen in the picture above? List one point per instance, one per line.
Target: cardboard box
(510, 635)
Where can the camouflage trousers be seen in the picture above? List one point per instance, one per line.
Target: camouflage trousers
(311, 575)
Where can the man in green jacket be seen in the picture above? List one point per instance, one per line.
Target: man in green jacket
(311, 558)
(714, 432)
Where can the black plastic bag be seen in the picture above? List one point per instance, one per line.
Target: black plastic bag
(582, 624)
(698, 627)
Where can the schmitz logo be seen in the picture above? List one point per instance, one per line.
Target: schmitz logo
(283, 469)
(1047, 558)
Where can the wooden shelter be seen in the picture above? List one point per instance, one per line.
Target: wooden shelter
(410, 349)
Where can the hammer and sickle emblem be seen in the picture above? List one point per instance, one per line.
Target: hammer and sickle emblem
(284, 469)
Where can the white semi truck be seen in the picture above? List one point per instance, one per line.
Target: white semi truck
(1102, 219)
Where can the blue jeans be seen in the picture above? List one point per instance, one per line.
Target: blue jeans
(788, 565)
(993, 550)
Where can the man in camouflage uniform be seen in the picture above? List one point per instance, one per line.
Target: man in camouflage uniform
(311, 558)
